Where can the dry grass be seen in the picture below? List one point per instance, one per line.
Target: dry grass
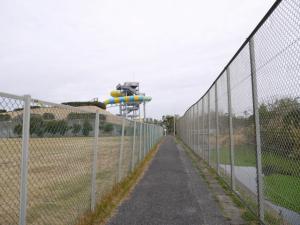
(59, 177)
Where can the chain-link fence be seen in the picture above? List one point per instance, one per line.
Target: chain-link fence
(247, 125)
(57, 161)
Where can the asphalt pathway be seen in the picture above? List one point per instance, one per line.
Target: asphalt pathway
(171, 192)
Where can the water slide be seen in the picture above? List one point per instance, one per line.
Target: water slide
(126, 99)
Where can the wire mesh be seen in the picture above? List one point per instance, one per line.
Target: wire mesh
(277, 57)
(201, 129)
(269, 68)
(205, 127)
(62, 145)
(243, 128)
(11, 111)
(128, 146)
(56, 144)
(212, 129)
(225, 167)
(108, 154)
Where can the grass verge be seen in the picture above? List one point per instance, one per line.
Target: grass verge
(283, 190)
(246, 205)
(281, 180)
(211, 177)
(119, 192)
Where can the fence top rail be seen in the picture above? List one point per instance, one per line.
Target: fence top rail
(42, 102)
(262, 21)
(6, 95)
(37, 101)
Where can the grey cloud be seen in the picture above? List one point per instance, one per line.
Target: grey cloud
(76, 50)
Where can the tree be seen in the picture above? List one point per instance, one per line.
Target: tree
(62, 126)
(76, 129)
(51, 127)
(36, 125)
(86, 128)
(18, 129)
(48, 116)
(168, 123)
(108, 127)
(81, 116)
(56, 126)
(5, 117)
(280, 126)
(102, 118)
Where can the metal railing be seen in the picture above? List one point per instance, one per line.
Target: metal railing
(57, 161)
(247, 125)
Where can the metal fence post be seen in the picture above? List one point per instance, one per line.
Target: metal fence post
(141, 133)
(230, 130)
(208, 127)
(121, 151)
(145, 140)
(260, 197)
(24, 160)
(94, 165)
(192, 128)
(203, 122)
(188, 128)
(151, 129)
(174, 125)
(133, 146)
(148, 137)
(217, 129)
(198, 129)
(151, 136)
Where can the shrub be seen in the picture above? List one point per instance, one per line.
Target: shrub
(36, 125)
(108, 127)
(18, 129)
(86, 128)
(56, 126)
(280, 127)
(76, 129)
(80, 116)
(5, 117)
(48, 116)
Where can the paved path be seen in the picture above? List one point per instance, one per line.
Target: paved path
(171, 192)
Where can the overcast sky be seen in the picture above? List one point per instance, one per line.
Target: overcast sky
(67, 50)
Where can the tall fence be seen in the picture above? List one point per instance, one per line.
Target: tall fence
(247, 125)
(57, 161)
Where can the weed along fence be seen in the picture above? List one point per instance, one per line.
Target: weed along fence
(247, 125)
(57, 161)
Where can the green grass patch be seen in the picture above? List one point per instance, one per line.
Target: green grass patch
(283, 191)
(272, 163)
(248, 216)
(278, 164)
(244, 155)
